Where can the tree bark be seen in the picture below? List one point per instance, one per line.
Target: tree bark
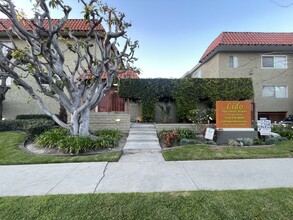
(1, 109)
(84, 122)
(62, 114)
(79, 122)
(3, 90)
(74, 121)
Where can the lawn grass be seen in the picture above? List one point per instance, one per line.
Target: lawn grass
(237, 204)
(10, 153)
(205, 152)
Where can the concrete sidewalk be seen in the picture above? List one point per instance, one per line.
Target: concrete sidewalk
(152, 176)
(142, 144)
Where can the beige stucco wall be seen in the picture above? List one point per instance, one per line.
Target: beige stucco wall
(250, 66)
(19, 102)
(210, 69)
(134, 109)
(159, 115)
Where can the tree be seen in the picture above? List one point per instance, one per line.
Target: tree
(3, 77)
(80, 86)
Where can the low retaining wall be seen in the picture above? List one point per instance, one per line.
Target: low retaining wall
(223, 137)
(160, 127)
(110, 120)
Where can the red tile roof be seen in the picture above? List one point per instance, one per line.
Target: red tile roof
(127, 74)
(71, 24)
(249, 38)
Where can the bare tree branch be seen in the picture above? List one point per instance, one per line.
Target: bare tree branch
(78, 87)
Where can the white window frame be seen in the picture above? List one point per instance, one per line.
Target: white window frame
(233, 61)
(275, 63)
(274, 92)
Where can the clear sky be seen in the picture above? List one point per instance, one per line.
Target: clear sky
(173, 35)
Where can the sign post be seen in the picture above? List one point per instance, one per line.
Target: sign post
(264, 126)
(209, 134)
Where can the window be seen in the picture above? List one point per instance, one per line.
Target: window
(197, 74)
(278, 92)
(233, 61)
(276, 62)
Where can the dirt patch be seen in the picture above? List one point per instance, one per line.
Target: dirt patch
(32, 148)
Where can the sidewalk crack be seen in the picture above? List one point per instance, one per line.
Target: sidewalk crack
(62, 179)
(100, 180)
(189, 177)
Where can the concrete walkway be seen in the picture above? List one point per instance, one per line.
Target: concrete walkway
(142, 144)
(143, 169)
(75, 178)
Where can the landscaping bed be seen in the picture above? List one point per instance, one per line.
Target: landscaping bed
(11, 153)
(184, 144)
(206, 152)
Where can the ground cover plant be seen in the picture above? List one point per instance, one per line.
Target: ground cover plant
(284, 130)
(61, 139)
(233, 204)
(207, 152)
(10, 153)
(174, 136)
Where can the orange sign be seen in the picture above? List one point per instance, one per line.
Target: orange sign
(233, 114)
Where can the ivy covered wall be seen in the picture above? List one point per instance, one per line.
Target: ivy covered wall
(187, 93)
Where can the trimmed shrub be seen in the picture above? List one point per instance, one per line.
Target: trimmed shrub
(193, 141)
(33, 116)
(275, 140)
(258, 141)
(233, 143)
(185, 133)
(247, 141)
(284, 131)
(11, 125)
(37, 127)
(210, 142)
(31, 127)
(183, 142)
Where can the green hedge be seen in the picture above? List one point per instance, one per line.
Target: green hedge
(186, 92)
(141, 89)
(32, 127)
(32, 116)
(149, 91)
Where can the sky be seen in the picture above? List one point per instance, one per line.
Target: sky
(173, 35)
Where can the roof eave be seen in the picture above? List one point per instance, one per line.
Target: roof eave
(248, 48)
